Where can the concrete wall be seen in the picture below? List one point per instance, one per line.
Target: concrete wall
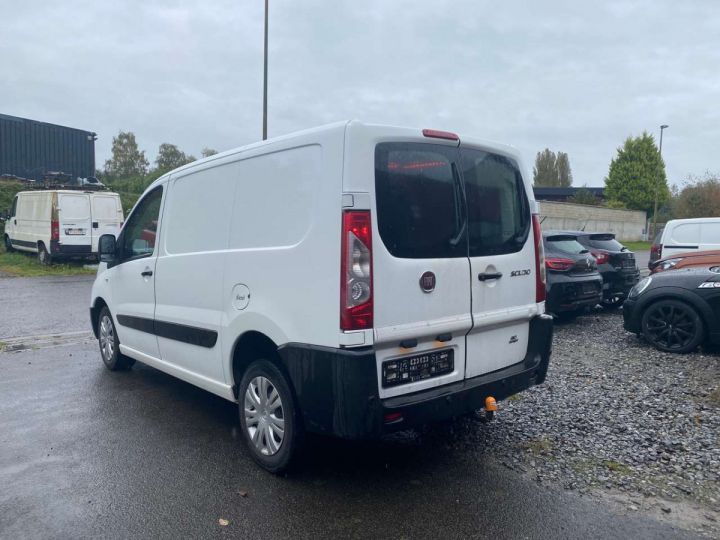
(626, 224)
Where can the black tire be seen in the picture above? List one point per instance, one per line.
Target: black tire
(8, 244)
(613, 303)
(672, 326)
(271, 446)
(44, 258)
(110, 344)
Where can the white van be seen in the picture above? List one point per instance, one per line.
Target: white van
(683, 235)
(58, 224)
(350, 280)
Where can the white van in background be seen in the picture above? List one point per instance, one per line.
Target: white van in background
(58, 224)
(683, 235)
(349, 280)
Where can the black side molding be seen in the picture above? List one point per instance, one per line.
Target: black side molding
(193, 335)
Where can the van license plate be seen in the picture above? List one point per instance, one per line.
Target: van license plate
(417, 368)
(75, 232)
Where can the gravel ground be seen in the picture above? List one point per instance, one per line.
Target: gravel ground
(617, 419)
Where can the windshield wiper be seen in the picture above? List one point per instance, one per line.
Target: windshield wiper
(455, 240)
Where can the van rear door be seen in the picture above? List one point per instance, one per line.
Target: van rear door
(74, 219)
(107, 216)
(502, 260)
(421, 270)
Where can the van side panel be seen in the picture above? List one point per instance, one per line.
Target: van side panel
(283, 261)
(189, 272)
(33, 220)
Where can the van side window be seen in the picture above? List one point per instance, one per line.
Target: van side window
(140, 232)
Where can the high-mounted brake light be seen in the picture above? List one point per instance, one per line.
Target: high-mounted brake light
(539, 260)
(356, 298)
(437, 134)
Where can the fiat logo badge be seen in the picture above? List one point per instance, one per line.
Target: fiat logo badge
(427, 282)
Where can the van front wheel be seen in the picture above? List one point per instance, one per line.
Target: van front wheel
(268, 416)
(8, 244)
(110, 344)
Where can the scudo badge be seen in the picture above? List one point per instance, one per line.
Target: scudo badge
(427, 282)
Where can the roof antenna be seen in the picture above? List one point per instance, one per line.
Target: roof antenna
(543, 220)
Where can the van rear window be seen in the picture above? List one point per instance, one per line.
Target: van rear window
(419, 201)
(436, 201)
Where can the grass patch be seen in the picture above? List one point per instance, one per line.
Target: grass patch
(538, 446)
(616, 466)
(637, 246)
(714, 396)
(515, 397)
(3, 346)
(20, 264)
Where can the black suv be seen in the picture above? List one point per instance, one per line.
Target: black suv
(573, 281)
(616, 264)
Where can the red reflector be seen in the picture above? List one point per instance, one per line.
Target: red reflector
(54, 230)
(437, 134)
(540, 292)
(391, 417)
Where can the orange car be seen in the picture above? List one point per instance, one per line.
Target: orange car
(686, 260)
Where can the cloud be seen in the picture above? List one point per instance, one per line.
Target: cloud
(565, 75)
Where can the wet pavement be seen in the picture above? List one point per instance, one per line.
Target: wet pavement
(44, 305)
(87, 453)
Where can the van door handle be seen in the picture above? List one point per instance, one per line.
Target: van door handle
(146, 273)
(96, 225)
(484, 276)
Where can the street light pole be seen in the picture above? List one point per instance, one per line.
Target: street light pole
(265, 65)
(657, 181)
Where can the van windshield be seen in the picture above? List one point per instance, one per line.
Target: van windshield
(436, 201)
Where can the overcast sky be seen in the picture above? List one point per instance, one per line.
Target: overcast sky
(569, 75)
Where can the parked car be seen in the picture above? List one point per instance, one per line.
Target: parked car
(701, 259)
(573, 280)
(320, 281)
(676, 311)
(683, 235)
(61, 224)
(616, 264)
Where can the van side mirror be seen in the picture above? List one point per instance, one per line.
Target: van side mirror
(107, 248)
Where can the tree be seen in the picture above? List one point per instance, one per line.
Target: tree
(171, 157)
(635, 173)
(545, 170)
(552, 170)
(584, 196)
(699, 199)
(127, 160)
(207, 152)
(564, 173)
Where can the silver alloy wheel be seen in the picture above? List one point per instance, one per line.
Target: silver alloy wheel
(107, 338)
(264, 416)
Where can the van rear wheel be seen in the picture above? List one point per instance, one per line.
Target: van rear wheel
(43, 256)
(110, 344)
(268, 416)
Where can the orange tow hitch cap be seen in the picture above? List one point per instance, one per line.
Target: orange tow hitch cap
(490, 404)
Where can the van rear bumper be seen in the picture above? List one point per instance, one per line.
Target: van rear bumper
(59, 250)
(337, 389)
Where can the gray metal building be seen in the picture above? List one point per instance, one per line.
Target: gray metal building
(31, 149)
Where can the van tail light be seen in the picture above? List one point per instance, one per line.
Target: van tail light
(655, 252)
(54, 230)
(600, 256)
(559, 264)
(539, 260)
(356, 294)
